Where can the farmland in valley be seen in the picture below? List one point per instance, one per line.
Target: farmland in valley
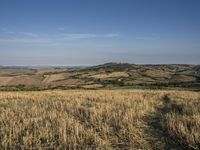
(110, 75)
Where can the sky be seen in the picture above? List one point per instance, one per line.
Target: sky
(90, 32)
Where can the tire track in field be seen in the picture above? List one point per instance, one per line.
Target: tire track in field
(158, 129)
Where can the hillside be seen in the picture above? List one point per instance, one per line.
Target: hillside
(109, 75)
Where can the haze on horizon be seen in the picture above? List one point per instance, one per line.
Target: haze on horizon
(77, 32)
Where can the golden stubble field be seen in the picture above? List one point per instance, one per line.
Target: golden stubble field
(100, 119)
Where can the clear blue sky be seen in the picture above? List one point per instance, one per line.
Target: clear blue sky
(88, 32)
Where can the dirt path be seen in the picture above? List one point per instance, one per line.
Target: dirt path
(161, 139)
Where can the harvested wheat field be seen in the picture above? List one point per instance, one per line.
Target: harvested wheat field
(100, 119)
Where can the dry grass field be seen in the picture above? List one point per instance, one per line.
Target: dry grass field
(110, 75)
(100, 119)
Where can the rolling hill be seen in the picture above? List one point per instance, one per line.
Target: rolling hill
(109, 75)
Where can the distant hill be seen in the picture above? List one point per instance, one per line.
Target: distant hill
(108, 75)
(112, 66)
(197, 68)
